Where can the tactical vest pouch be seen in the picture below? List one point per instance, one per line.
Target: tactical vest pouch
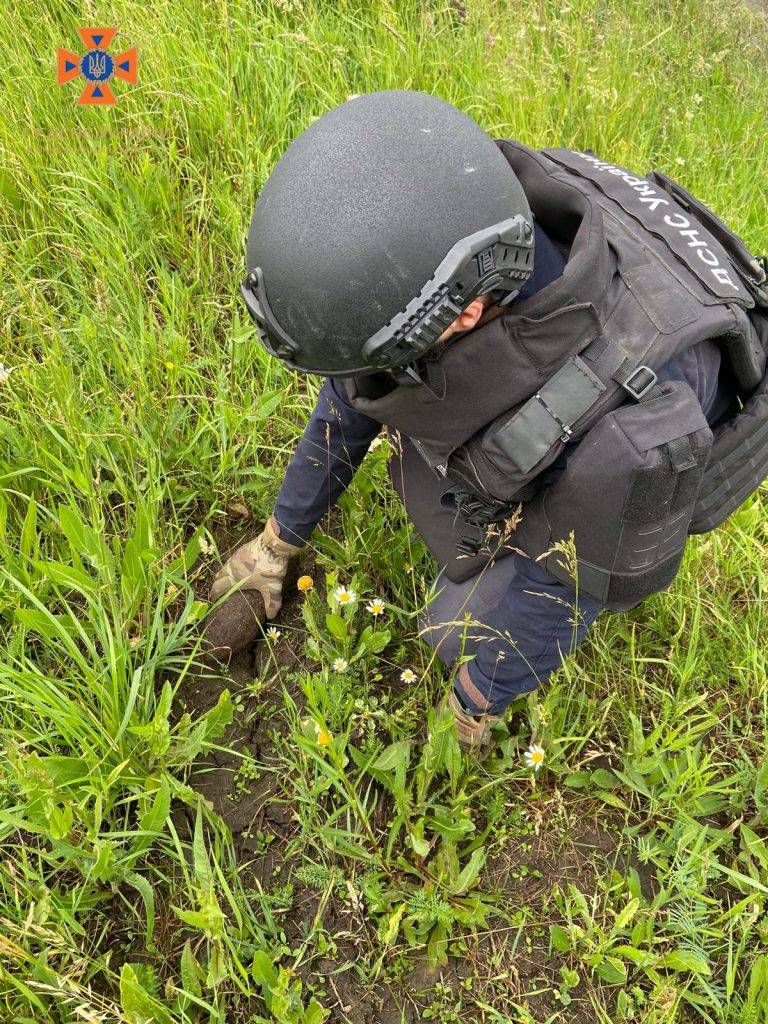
(738, 465)
(627, 494)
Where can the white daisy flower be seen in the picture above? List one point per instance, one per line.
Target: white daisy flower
(344, 596)
(273, 633)
(340, 665)
(5, 372)
(375, 606)
(408, 676)
(534, 756)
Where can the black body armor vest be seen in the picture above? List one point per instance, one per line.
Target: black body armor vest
(650, 272)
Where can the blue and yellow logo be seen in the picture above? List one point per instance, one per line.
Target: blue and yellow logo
(97, 66)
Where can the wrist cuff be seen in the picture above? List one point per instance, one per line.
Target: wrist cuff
(273, 538)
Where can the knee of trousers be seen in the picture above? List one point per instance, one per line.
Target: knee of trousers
(444, 621)
(442, 636)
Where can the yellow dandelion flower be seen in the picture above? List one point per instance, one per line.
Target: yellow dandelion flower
(324, 738)
(170, 366)
(305, 583)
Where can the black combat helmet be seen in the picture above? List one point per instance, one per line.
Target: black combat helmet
(377, 227)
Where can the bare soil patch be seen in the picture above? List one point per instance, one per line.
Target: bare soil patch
(505, 964)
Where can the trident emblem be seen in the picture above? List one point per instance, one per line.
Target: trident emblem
(97, 66)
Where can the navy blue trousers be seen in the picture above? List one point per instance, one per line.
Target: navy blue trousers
(515, 619)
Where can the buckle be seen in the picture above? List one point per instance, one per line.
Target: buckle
(759, 266)
(640, 382)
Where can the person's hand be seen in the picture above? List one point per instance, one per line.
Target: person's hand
(259, 565)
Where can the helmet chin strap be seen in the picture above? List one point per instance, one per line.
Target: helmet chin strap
(504, 298)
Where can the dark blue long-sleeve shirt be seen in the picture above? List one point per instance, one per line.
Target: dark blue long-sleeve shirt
(337, 435)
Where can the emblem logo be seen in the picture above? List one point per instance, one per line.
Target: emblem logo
(97, 66)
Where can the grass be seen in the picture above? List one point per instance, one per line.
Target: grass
(327, 860)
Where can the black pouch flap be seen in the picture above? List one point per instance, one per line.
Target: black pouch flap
(626, 497)
(548, 416)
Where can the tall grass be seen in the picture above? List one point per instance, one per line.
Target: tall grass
(139, 410)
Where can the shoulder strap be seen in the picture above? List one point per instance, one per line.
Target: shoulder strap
(751, 269)
(567, 397)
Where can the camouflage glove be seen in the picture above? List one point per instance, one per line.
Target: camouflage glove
(260, 565)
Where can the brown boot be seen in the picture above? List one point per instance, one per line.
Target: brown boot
(474, 732)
